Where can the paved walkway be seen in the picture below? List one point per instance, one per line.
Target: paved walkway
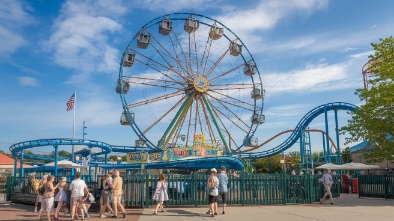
(347, 207)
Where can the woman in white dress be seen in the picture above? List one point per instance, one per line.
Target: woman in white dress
(61, 196)
(161, 193)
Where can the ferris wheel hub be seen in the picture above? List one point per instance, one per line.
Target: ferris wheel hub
(201, 84)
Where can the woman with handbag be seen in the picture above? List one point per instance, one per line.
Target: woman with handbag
(104, 201)
(41, 184)
(161, 193)
(213, 185)
(48, 198)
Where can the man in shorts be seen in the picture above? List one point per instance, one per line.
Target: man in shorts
(77, 191)
(223, 181)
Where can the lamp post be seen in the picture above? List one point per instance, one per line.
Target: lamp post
(83, 131)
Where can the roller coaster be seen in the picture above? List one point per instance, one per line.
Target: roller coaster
(195, 90)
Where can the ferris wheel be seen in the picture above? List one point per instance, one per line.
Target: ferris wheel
(185, 76)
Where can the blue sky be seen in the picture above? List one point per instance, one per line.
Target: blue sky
(308, 53)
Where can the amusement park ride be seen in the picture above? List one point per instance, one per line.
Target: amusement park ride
(192, 93)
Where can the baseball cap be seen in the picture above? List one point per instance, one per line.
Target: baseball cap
(214, 170)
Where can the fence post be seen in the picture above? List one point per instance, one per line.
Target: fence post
(284, 188)
(9, 181)
(242, 188)
(385, 186)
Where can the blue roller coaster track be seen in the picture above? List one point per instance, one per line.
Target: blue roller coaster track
(301, 126)
(233, 161)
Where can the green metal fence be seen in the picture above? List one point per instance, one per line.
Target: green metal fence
(243, 189)
(191, 189)
(376, 186)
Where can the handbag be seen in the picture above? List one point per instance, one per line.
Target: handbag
(41, 191)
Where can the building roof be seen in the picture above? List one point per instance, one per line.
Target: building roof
(6, 160)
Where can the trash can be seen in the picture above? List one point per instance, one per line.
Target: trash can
(355, 185)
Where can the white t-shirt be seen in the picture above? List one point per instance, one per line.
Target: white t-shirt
(77, 187)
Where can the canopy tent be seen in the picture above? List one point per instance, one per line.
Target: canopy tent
(64, 164)
(330, 166)
(357, 166)
(42, 169)
(347, 166)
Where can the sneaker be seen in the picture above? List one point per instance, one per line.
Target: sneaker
(86, 214)
(67, 214)
(212, 215)
(124, 215)
(223, 212)
(215, 214)
(103, 216)
(35, 210)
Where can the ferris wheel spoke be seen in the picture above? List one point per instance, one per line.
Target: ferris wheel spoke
(235, 99)
(216, 63)
(184, 55)
(155, 99)
(215, 123)
(210, 130)
(156, 69)
(178, 131)
(184, 109)
(227, 72)
(225, 128)
(167, 53)
(160, 64)
(229, 118)
(195, 49)
(207, 57)
(154, 85)
(188, 128)
(165, 114)
(229, 110)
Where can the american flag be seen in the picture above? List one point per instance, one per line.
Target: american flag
(70, 102)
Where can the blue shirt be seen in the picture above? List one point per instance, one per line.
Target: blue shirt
(223, 181)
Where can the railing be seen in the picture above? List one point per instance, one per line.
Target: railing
(376, 186)
(191, 189)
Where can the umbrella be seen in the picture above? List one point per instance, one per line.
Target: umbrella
(64, 164)
(357, 166)
(330, 166)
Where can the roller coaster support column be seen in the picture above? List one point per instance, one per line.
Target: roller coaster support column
(337, 133)
(328, 153)
(21, 166)
(15, 163)
(56, 158)
(90, 157)
(324, 148)
(106, 160)
(301, 149)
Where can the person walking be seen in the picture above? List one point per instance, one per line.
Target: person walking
(161, 193)
(61, 196)
(104, 201)
(48, 198)
(223, 181)
(117, 194)
(212, 185)
(41, 184)
(77, 191)
(326, 180)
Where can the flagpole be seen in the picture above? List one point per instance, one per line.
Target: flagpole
(75, 106)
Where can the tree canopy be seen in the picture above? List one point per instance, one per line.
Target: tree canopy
(374, 121)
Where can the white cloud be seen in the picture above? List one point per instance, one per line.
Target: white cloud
(174, 5)
(80, 40)
(320, 77)
(264, 16)
(13, 16)
(28, 81)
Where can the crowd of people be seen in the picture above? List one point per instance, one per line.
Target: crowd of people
(75, 198)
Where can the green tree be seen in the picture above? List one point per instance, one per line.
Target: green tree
(374, 121)
(346, 155)
(268, 164)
